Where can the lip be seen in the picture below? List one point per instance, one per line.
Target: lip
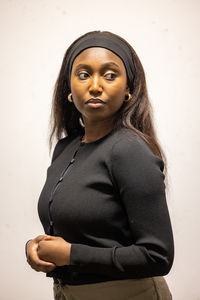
(95, 103)
(95, 100)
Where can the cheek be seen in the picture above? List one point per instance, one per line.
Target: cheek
(117, 93)
(77, 95)
(78, 89)
(119, 88)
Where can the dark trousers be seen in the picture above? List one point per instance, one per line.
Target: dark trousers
(154, 288)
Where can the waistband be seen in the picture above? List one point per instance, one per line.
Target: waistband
(75, 278)
(75, 275)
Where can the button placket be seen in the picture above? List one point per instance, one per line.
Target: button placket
(66, 170)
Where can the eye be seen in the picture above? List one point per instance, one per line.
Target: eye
(110, 76)
(83, 75)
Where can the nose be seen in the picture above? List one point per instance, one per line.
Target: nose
(95, 86)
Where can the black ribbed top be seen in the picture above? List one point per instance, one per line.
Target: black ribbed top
(107, 198)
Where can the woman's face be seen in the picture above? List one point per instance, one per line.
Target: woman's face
(98, 84)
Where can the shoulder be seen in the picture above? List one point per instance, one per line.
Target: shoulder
(128, 141)
(60, 146)
(135, 166)
(130, 148)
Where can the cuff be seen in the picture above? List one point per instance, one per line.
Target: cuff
(88, 255)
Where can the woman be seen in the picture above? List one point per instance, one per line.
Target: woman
(103, 207)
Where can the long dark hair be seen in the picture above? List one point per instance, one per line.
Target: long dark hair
(135, 114)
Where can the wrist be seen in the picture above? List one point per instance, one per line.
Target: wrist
(69, 254)
(65, 260)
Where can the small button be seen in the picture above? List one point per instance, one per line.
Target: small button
(51, 223)
(59, 282)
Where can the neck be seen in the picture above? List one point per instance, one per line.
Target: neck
(95, 130)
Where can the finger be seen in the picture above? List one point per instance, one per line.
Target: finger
(34, 259)
(40, 268)
(39, 238)
(48, 238)
(36, 263)
(40, 265)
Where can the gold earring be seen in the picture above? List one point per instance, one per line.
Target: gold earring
(70, 97)
(129, 97)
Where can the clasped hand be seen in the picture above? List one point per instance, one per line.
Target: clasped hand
(46, 252)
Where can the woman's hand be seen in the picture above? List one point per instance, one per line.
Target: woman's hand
(33, 259)
(54, 249)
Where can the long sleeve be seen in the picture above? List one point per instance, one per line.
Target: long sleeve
(138, 180)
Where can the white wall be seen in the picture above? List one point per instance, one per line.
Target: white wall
(34, 36)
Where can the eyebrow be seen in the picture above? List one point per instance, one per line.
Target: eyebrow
(108, 64)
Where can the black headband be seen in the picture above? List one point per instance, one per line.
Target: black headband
(103, 40)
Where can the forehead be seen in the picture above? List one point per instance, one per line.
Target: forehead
(98, 55)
